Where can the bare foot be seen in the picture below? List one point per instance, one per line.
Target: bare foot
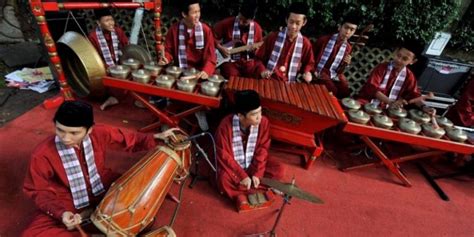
(109, 102)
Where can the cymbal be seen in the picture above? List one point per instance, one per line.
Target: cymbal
(292, 190)
(135, 52)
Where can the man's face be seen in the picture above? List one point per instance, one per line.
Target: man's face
(403, 57)
(253, 117)
(294, 23)
(243, 21)
(194, 13)
(107, 23)
(71, 136)
(347, 30)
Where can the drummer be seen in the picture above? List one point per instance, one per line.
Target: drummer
(109, 40)
(67, 174)
(243, 142)
(393, 83)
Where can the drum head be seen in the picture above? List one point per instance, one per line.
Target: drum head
(82, 65)
(135, 52)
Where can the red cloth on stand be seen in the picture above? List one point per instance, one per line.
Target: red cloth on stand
(264, 52)
(47, 184)
(201, 59)
(229, 172)
(339, 88)
(123, 41)
(242, 67)
(408, 91)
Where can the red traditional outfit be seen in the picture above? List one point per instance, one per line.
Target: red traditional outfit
(339, 88)
(202, 59)
(306, 63)
(230, 173)
(409, 89)
(122, 38)
(462, 113)
(47, 183)
(244, 66)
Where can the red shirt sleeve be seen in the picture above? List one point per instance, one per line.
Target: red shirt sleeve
(372, 85)
(209, 54)
(307, 57)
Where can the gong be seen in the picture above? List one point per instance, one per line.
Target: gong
(82, 65)
(136, 52)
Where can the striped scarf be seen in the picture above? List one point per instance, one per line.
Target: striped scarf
(199, 38)
(236, 35)
(337, 60)
(295, 57)
(104, 48)
(74, 172)
(397, 85)
(243, 158)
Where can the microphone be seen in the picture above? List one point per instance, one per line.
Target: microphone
(194, 137)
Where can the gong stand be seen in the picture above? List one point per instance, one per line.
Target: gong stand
(272, 232)
(39, 8)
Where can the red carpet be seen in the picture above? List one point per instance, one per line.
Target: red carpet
(365, 202)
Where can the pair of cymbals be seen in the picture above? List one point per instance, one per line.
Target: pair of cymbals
(292, 190)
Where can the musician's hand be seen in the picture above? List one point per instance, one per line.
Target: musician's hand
(307, 77)
(247, 182)
(347, 59)
(166, 134)
(429, 110)
(256, 181)
(316, 75)
(70, 219)
(266, 74)
(163, 61)
(398, 103)
(202, 75)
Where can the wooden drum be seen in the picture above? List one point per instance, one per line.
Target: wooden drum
(133, 200)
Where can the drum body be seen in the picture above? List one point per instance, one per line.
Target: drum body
(133, 200)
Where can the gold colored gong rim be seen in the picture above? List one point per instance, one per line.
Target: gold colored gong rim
(82, 64)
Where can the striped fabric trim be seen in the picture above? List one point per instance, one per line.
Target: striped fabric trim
(243, 158)
(295, 57)
(74, 172)
(199, 39)
(397, 85)
(337, 60)
(104, 48)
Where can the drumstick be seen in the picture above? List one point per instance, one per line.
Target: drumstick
(434, 122)
(81, 231)
(421, 98)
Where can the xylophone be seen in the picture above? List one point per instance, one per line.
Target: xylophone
(437, 146)
(297, 111)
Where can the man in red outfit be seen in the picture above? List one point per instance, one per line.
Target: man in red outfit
(332, 53)
(67, 174)
(286, 53)
(109, 40)
(236, 31)
(190, 43)
(392, 83)
(243, 143)
(462, 113)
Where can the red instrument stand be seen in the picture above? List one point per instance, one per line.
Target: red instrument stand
(39, 8)
(201, 102)
(437, 147)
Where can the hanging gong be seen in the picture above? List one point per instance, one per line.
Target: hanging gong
(136, 52)
(82, 65)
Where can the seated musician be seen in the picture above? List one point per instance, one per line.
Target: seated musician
(286, 53)
(392, 83)
(67, 174)
(190, 43)
(332, 53)
(109, 40)
(243, 143)
(238, 31)
(462, 113)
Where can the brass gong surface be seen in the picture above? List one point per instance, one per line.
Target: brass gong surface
(82, 65)
(136, 52)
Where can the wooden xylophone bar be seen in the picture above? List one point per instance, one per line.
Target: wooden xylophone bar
(297, 111)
